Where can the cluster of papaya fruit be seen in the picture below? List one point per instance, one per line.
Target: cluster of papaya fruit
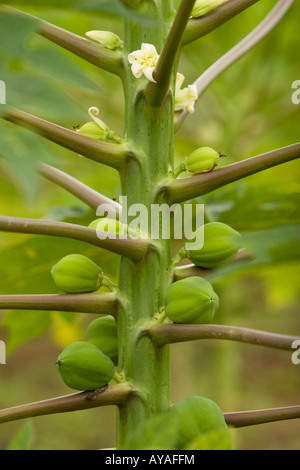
(193, 300)
(88, 365)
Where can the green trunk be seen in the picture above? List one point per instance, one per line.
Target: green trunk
(144, 284)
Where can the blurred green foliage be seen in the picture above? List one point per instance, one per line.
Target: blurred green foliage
(247, 111)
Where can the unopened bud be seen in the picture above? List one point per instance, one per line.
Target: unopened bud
(202, 7)
(107, 39)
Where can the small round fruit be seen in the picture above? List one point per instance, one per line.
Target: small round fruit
(83, 366)
(195, 416)
(191, 300)
(102, 332)
(204, 159)
(106, 224)
(94, 131)
(221, 245)
(76, 274)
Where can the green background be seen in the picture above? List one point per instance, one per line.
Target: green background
(247, 111)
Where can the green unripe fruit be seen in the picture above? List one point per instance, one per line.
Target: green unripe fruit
(202, 160)
(191, 300)
(195, 416)
(221, 245)
(75, 274)
(93, 130)
(106, 224)
(102, 332)
(83, 366)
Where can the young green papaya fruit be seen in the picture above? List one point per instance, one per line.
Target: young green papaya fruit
(76, 274)
(221, 245)
(204, 159)
(196, 415)
(106, 224)
(93, 130)
(102, 332)
(191, 300)
(83, 366)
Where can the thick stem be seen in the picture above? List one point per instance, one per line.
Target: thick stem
(248, 43)
(164, 69)
(113, 395)
(83, 192)
(184, 189)
(145, 284)
(101, 304)
(188, 270)
(199, 27)
(250, 418)
(111, 61)
(133, 249)
(113, 155)
(171, 333)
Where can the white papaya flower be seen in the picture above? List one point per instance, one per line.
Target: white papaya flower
(185, 98)
(202, 7)
(143, 61)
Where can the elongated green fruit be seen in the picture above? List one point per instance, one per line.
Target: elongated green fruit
(102, 332)
(195, 416)
(221, 244)
(83, 366)
(76, 274)
(191, 300)
(204, 159)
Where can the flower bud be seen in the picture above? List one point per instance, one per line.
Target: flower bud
(202, 7)
(107, 39)
(185, 98)
(204, 159)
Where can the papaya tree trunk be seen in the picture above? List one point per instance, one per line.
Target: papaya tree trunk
(151, 130)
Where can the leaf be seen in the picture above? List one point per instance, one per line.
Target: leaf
(275, 245)
(109, 7)
(24, 325)
(65, 329)
(24, 437)
(40, 96)
(21, 151)
(14, 33)
(55, 63)
(36, 255)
